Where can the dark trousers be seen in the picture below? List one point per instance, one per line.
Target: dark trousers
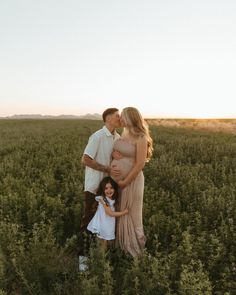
(85, 236)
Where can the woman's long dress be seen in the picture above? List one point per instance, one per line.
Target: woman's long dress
(129, 228)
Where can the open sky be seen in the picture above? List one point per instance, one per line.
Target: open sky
(168, 58)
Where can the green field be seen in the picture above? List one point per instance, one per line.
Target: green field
(189, 214)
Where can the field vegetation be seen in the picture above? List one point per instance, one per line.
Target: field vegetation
(215, 125)
(189, 214)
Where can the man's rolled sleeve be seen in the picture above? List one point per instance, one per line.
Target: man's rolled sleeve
(92, 146)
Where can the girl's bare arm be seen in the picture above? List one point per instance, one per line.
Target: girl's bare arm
(114, 214)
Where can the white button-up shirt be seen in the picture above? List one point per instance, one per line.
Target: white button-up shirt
(99, 148)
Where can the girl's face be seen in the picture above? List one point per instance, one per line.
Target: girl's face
(109, 190)
(122, 121)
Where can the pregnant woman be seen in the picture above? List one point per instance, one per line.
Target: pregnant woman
(135, 146)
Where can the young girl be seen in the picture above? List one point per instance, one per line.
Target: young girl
(103, 222)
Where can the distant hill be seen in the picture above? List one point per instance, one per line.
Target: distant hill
(39, 116)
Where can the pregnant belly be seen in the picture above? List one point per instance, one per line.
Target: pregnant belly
(124, 165)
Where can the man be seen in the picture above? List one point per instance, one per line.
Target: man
(97, 159)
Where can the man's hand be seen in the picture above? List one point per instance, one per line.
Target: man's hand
(115, 171)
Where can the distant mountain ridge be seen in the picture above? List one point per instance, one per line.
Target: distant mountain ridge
(94, 116)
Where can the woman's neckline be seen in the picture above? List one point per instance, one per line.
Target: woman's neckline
(128, 141)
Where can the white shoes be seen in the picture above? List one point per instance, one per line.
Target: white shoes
(83, 263)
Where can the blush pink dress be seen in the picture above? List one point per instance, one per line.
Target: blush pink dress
(129, 228)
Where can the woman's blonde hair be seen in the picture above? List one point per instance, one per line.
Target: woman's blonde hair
(136, 126)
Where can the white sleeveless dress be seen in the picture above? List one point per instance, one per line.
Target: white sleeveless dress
(102, 224)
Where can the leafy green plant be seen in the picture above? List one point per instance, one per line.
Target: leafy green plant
(189, 214)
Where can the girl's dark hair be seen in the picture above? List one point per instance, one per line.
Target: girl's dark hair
(102, 185)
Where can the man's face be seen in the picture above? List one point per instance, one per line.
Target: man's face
(114, 120)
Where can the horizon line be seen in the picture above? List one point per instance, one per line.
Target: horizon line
(97, 114)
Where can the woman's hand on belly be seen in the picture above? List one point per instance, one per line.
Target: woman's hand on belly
(116, 155)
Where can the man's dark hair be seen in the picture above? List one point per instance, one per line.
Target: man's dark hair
(107, 112)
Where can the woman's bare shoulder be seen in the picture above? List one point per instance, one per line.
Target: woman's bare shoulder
(142, 137)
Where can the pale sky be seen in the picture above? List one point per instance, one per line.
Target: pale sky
(168, 58)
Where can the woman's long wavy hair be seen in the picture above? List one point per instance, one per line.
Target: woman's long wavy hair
(136, 126)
